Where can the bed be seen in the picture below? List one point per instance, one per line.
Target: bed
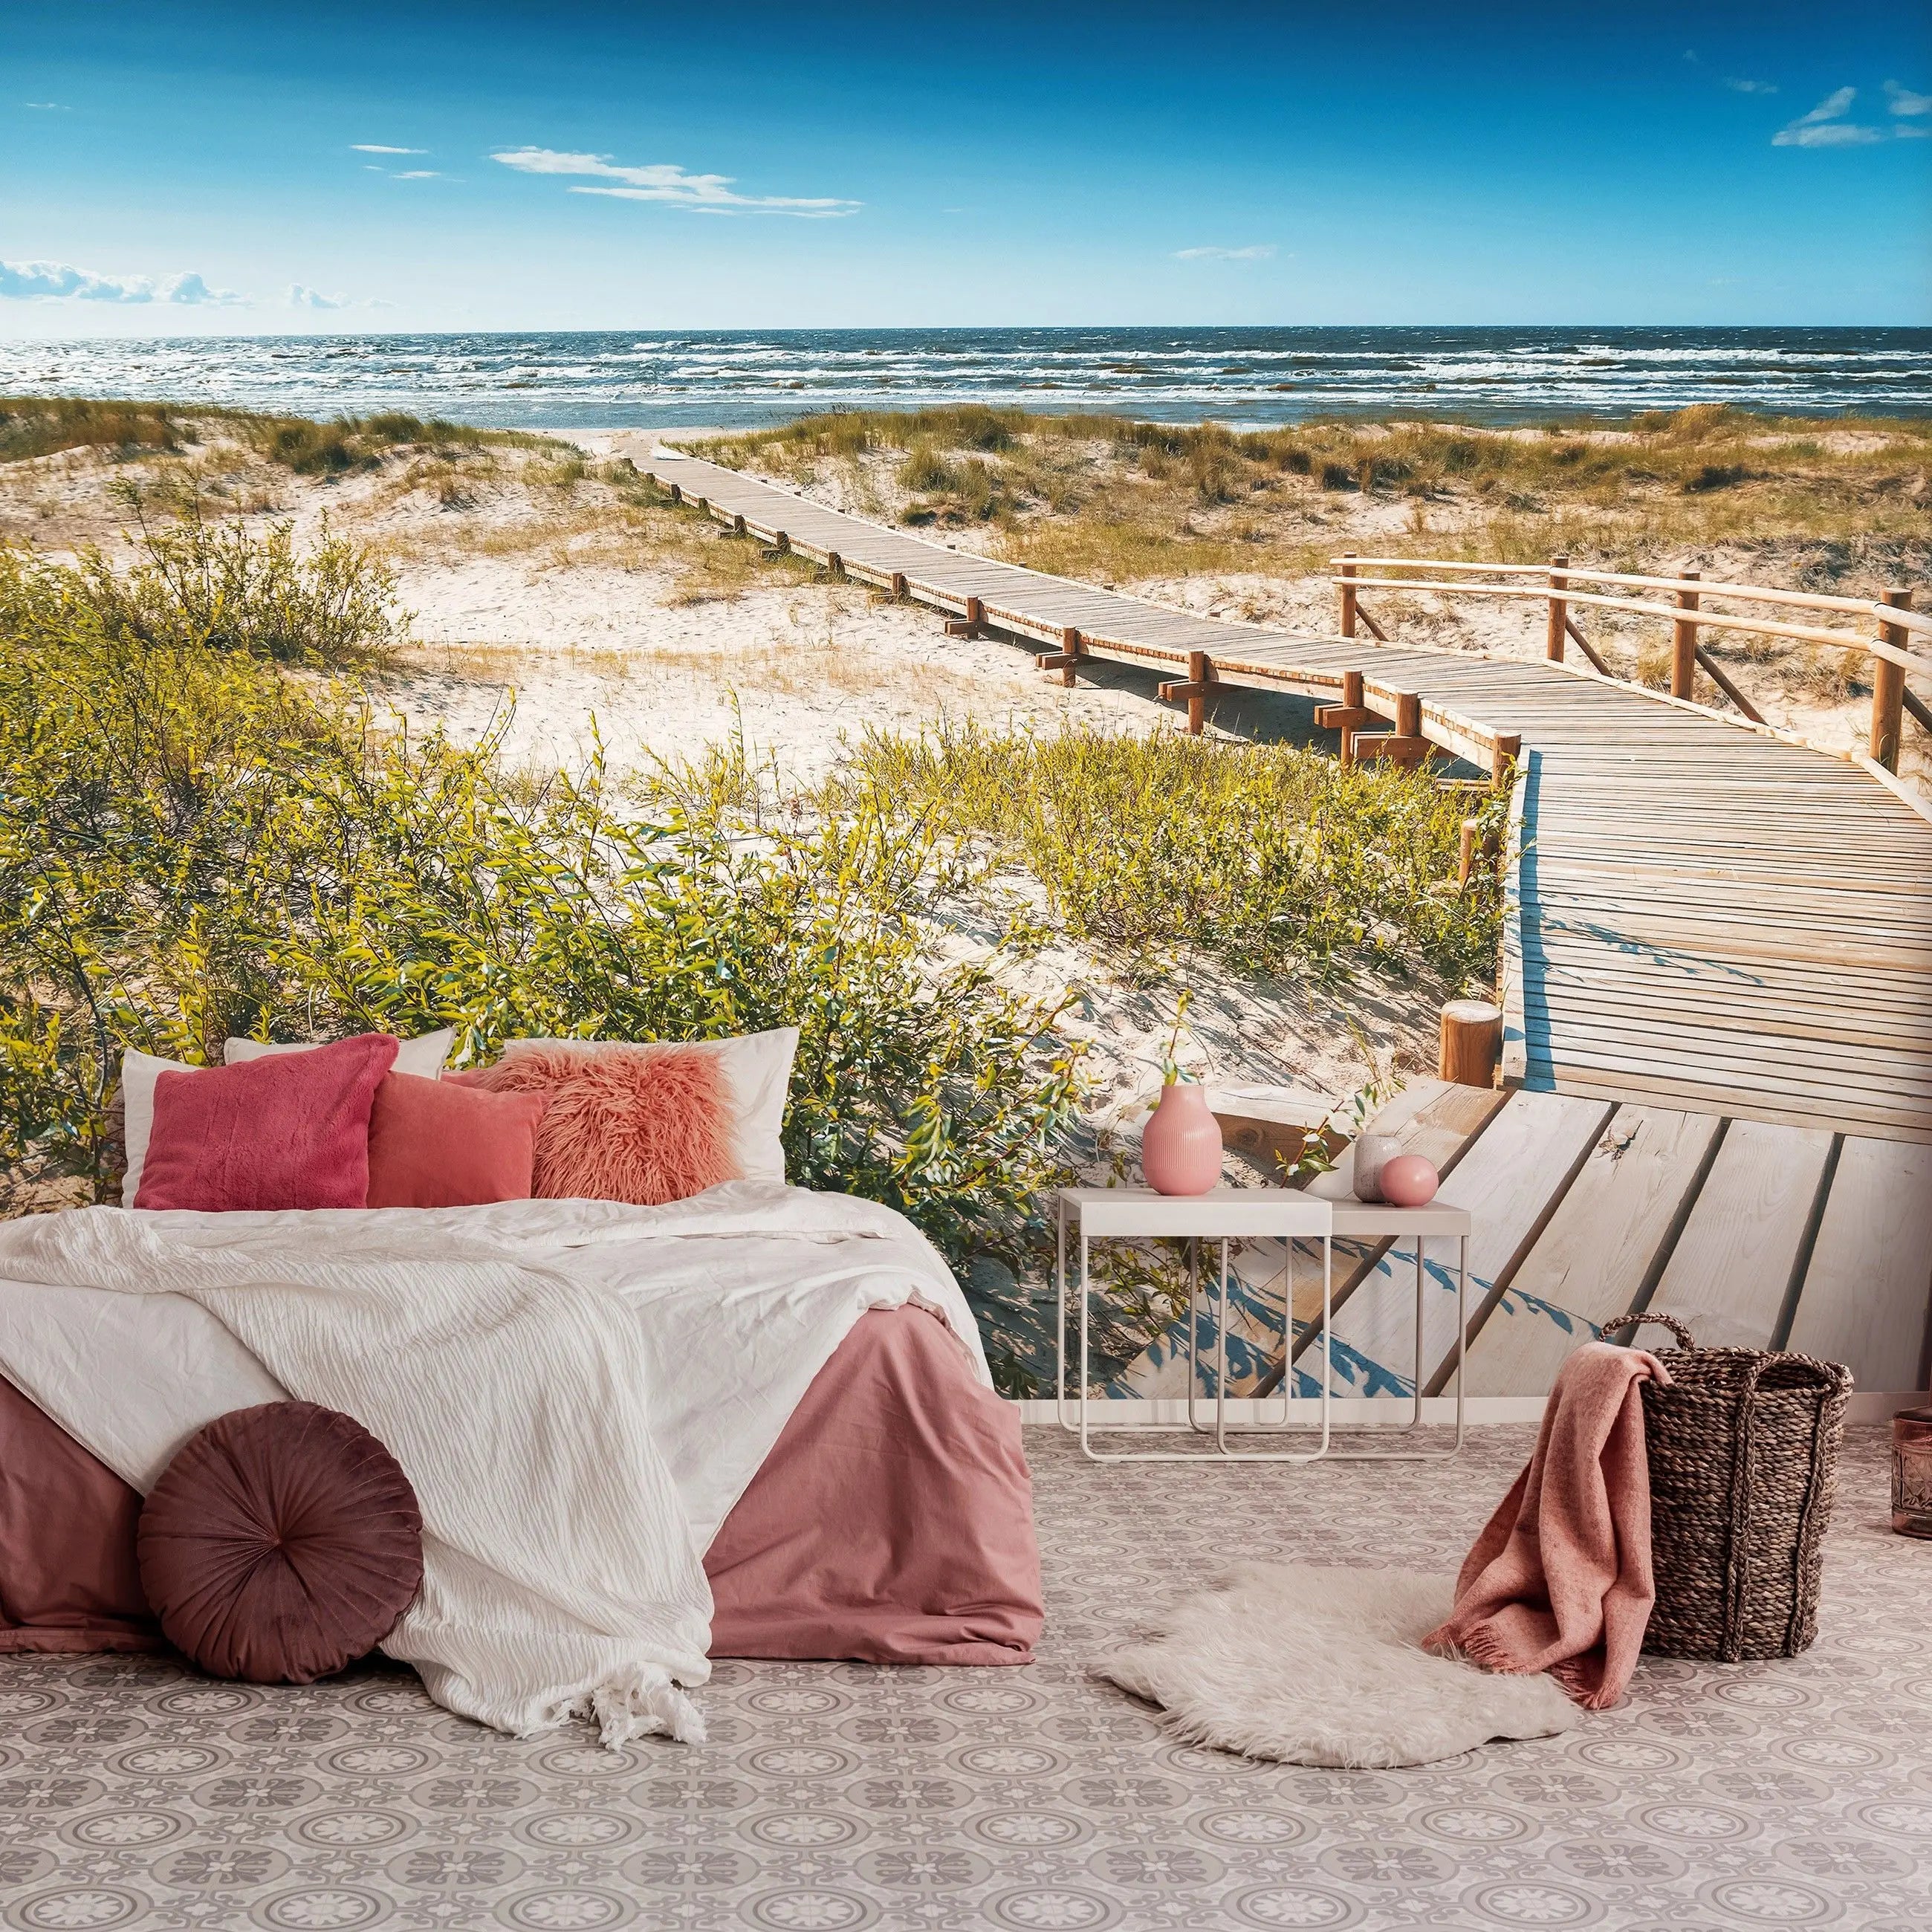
(810, 1373)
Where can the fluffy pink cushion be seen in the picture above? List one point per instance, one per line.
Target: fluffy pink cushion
(288, 1131)
(281, 1543)
(435, 1145)
(646, 1124)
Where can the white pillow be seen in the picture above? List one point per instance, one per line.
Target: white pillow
(757, 1069)
(424, 1055)
(139, 1072)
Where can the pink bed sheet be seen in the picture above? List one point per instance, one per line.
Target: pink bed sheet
(892, 1524)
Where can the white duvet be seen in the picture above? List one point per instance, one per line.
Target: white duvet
(579, 1392)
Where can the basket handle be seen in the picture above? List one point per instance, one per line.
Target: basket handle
(1637, 1317)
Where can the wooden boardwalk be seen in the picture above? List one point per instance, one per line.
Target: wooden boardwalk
(1717, 974)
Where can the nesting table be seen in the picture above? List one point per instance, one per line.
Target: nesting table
(1227, 1214)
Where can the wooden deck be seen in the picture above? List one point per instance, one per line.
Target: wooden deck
(1717, 977)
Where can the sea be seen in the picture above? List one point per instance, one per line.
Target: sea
(1241, 377)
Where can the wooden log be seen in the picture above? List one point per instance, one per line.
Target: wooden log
(1408, 714)
(1466, 861)
(1684, 644)
(1348, 591)
(1375, 631)
(1344, 717)
(1472, 1038)
(1559, 612)
(1073, 647)
(1888, 712)
(1063, 662)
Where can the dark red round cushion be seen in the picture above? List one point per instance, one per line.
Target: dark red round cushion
(281, 1544)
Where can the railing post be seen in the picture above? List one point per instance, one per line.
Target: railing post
(1559, 610)
(1348, 595)
(1888, 714)
(1683, 641)
(1465, 860)
(1197, 695)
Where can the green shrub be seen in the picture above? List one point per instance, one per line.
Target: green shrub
(1269, 858)
(193, 845)
(217, 587)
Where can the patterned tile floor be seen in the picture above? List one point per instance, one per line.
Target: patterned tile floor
(836, 1796)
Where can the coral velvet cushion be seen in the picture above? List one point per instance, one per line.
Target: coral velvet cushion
(644, 1124)
(435, 1145)
(288, 1131)
(281, 1544)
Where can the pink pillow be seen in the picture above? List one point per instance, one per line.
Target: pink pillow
(646, 1124)
(288, 1131)
(432, 1145)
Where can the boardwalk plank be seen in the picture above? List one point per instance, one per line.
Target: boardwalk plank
(1866, 1290)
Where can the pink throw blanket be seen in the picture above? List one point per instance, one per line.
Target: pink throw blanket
(1560, 1580)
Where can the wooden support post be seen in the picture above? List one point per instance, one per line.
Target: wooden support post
(971, 624)
(899, 585)
(1408, 714)
(1503, 756)
(835, 563)
(1559, 611)
(781, 543)
(1348, 591)
(1888, 715)
(1194, 688)
(1683, 643)
(738, 526)
(704, 504)
(1347, 717)
(677, 492)
(1071, 648)
(1465, 861)
(1472, 1043)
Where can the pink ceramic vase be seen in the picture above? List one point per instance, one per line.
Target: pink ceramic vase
(1180, 1145)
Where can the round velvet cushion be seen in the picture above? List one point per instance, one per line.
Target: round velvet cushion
(281, 1544)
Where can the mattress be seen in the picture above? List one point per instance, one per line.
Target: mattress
(891, 1523)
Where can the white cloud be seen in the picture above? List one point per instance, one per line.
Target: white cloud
(61, 281)
(1751, 86)
(300, 296)
(418, 174)
(1904, 101)
(1259, 251)
(1825, 126)
(664, 181)
(376, 147)
(48, 106)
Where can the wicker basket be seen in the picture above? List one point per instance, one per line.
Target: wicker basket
(1744, 1453)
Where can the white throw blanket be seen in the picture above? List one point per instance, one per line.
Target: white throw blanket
(558, 1379)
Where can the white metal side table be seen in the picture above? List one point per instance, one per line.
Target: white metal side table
(1226, 1215)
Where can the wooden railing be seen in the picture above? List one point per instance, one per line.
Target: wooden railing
(1888, 645)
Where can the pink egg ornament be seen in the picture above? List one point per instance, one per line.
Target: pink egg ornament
(1409, 1181)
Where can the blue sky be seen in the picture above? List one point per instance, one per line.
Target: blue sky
(221, 169)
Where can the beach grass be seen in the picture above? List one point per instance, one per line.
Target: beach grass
(1117, 500)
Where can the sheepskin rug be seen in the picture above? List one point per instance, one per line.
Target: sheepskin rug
(1314, 1666)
